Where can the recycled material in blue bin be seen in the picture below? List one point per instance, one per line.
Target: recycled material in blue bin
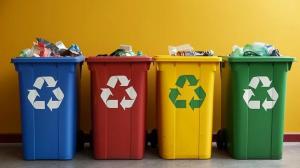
(48, 97)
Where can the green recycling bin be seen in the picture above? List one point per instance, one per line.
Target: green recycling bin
(253, 106)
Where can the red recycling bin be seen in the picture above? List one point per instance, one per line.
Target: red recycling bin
(119, 99)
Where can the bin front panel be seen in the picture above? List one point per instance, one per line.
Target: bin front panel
(48, 97)
(119, 106)
(185, 105)
(260, 119)
(257, 110)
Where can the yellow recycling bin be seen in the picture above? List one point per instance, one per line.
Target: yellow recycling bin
(185, 89)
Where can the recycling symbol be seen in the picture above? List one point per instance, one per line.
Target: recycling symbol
(106, 93)
(38, 84)
(256, 104)
(196, 100)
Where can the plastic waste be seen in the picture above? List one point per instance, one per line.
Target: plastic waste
(126, 48)
(204, 53)
(25, 53)
(139, 53)
(181, 50)
(44, 48)
(255, 49)
(187, 50)
(123, 50)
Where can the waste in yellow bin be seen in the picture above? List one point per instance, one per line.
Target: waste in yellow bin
(185, 105)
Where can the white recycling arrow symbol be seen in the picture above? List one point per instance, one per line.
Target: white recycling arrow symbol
(36, 104)
(256, 104)
(114, 79)
(38, 84)
(130, 91)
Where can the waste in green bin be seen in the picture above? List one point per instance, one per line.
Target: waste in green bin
(253, 106)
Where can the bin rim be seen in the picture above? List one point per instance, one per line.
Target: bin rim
(68, 59)
(118, 59)
(169, 58)
(259, 59)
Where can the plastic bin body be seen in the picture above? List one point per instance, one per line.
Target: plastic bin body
(49, 132)
(118, 131)
(185, 132)
(254, 132)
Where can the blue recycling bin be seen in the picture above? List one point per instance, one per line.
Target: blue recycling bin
(48, 98)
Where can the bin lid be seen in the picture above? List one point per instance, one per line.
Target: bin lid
(169, 58)
(259, 59)
(118, 59)
(48, 59)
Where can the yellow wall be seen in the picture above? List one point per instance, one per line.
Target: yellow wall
(99, 26)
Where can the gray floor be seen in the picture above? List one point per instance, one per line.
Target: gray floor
(11, 157)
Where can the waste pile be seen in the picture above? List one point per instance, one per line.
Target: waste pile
(187, 50)
(44, 48)
(123, 50)
(255, 49)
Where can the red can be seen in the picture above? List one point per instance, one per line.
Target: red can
(119, 99)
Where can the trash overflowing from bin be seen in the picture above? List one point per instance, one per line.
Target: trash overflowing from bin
(187, 50)
(48, 92)
(253, 90)
(119, 87)
(255, 49)
(44, 48)
(183, 85)
(124, 50)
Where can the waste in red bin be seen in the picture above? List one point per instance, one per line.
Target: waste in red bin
(118, 93)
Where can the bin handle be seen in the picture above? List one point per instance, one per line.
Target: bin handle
(290, 66)
(80, 71)
(222, 65)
